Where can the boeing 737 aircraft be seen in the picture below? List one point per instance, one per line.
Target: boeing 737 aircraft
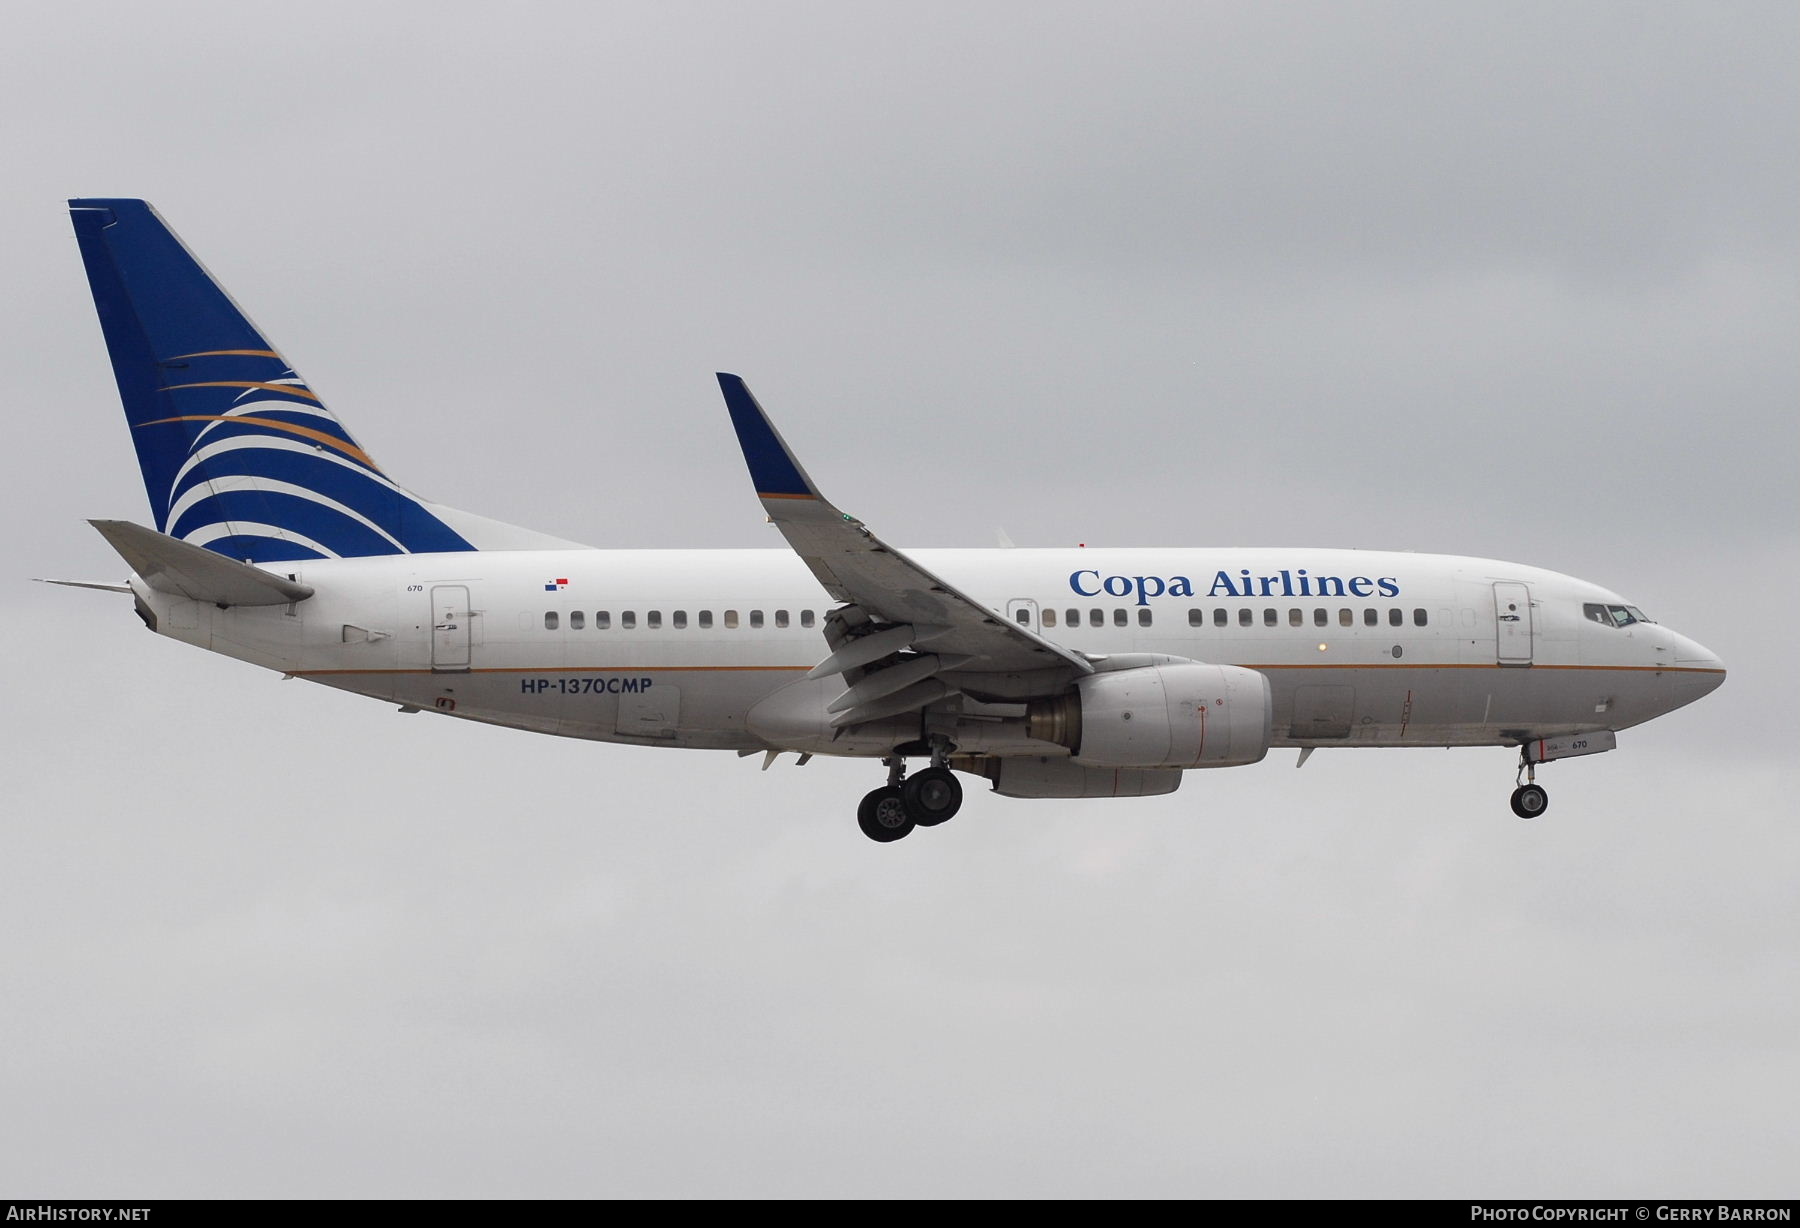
(1050, 673)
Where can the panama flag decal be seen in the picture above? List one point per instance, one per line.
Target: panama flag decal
(553, 585)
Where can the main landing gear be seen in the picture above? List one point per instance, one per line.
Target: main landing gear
(925, 799)
(1528, 800)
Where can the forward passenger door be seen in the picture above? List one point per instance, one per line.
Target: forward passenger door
(1513, 623)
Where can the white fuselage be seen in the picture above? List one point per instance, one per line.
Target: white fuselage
(680, 647)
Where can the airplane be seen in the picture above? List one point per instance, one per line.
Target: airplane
(1048, 673)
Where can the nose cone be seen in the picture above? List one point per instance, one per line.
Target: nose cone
(1698, 666)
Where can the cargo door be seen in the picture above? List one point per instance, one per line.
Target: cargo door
(450, 619)
(1513, 623)
(1323, 711)
(650, 710)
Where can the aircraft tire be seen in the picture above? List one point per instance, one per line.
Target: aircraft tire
(932, 796)
(1529, 801)
(882, 815)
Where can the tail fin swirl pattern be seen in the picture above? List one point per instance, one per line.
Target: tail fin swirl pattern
(238, 454)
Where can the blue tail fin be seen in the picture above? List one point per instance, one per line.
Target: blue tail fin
(238, 454)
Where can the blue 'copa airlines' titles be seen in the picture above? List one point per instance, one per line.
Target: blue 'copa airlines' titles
(1284, 583)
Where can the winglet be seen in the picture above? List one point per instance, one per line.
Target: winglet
(773, 469)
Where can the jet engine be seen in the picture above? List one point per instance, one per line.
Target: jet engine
(1173, 715)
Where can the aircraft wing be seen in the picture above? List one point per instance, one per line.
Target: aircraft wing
(906, 606)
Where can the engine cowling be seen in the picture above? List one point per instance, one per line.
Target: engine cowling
(1178, 715)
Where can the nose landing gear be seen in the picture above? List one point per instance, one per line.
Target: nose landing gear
(1528, 800)
(926, 799)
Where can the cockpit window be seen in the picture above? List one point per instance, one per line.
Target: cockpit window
(1613, 615)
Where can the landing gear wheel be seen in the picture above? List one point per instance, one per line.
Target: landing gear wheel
(1529, 801)
(882, 815)
(932, 796)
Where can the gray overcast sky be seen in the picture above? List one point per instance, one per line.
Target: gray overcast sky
(1516, 280)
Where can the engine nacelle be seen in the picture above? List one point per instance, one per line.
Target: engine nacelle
(1043, 776)
(1178, 715)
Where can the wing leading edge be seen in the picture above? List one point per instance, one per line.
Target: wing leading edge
(893, 604)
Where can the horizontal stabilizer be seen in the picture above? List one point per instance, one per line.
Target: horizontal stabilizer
(170, 565)
(105, 588)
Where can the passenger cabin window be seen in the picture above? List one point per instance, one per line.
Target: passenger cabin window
(1346, 618)
(1395, 618)
(628, 619)
(731, 620)
(577, 620)
(1049, 617)
(1119, 618)
(1096, 618)
(1320, 618)
(1073, 619)
(602, 620)
(1195, 618)
(1418, 618)
(1371, 618)
(756, 618)
(1269, 617)
(705, 619)
(1245, 617)
(1023, 617)
(549, 620)
(679, 618)
(781, 618)
(1144, 616)
(653, 620)
(806, 618)
(1219, 617)
(1293, 618)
